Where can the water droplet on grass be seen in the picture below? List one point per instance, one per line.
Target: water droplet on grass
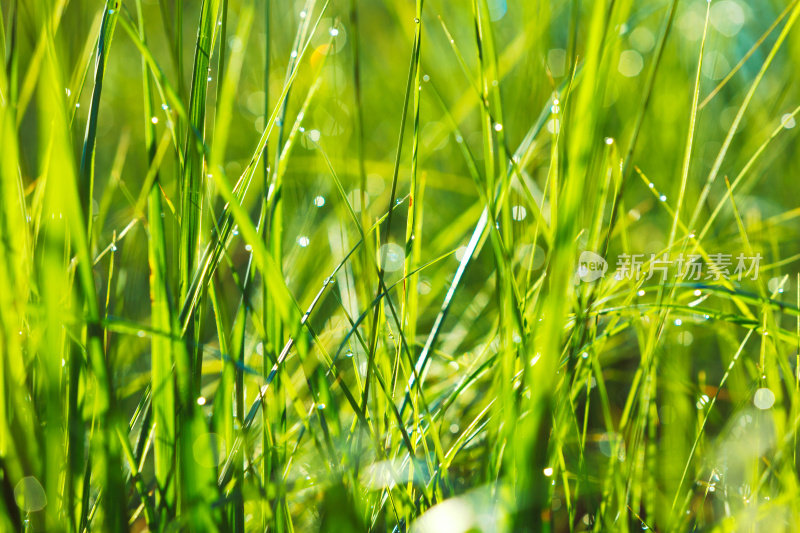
(392, 257)
(319, 201)
(763, 398)
(29, 495)
(424, 287)
(630, 63)
(303, 241)
(702, 401)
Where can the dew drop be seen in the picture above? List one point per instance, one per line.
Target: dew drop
(702, 401)
(518, 213)
(319, 201)
(630, 63)
(392, 257)
(764, 398)
(303, 241)
(29, 495)
(424, 287)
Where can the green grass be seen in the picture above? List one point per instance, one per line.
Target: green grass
(313, 266)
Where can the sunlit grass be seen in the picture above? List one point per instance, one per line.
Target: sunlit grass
(332, 266)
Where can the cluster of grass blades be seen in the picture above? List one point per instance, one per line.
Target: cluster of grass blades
(314, 265)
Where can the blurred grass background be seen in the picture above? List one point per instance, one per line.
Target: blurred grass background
(298, 266)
